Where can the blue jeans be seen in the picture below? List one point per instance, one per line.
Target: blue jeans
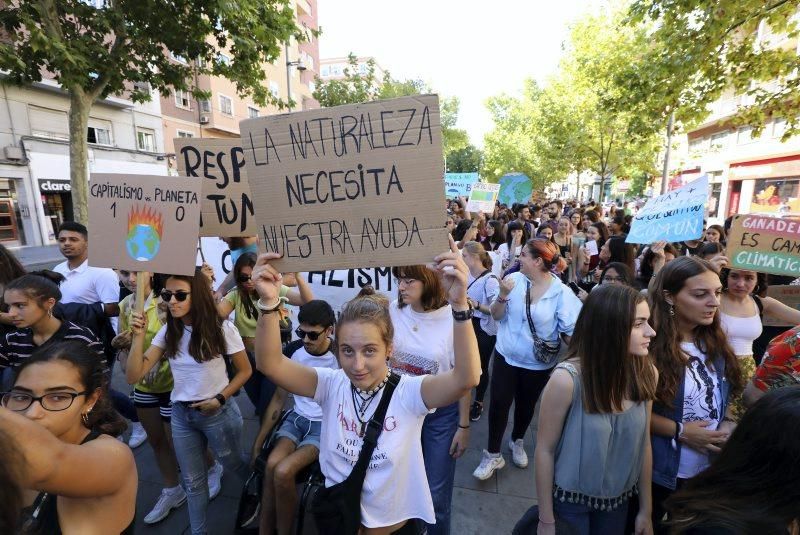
(437, 436)
(588, 521)
(192, 431)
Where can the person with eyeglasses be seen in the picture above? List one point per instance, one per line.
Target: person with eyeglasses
(60, 416)
(194, 339)
(297, 439)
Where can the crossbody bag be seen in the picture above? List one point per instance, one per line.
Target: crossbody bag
(544, 351)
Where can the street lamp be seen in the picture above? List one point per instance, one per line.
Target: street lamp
(289, 64)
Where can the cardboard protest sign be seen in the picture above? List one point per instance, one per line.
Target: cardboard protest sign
(766, 244)
(515, 188)
(350, 186)
(675, 216)
(789, 296)
(459, 184)
(483, 196)
(226, 208)
(144, 222)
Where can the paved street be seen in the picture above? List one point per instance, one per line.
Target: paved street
(479, 507)
(38, 257)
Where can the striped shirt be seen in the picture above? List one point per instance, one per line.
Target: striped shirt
(18, 346)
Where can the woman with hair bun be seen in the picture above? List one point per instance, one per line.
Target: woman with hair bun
(535, 312)
(60, 415)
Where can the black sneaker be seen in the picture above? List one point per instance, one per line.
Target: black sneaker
(475, 411)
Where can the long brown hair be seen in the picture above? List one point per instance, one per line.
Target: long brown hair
(610, 374)
(207, 339)
(246, 260)
(433, 297)
(475, 248)
(666, 347)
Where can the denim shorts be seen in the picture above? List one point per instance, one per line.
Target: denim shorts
(300, 430)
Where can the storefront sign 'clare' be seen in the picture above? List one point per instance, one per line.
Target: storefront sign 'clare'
(766, 244)
(351, 186)
(144, 222)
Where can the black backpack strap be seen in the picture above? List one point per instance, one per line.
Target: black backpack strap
(374, 428)
(760, 305)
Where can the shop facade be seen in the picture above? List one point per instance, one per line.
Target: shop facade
(767, 187)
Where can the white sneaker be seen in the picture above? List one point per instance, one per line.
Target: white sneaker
(518, 455)
(170, 499)
(138, 435)
(489, 463)
(214, 480)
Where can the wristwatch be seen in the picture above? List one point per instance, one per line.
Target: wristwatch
(463, 315)
(221, 399)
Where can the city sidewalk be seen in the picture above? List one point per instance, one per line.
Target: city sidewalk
(479, 507)
(38, 257)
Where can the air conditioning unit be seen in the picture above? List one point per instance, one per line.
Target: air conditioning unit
(13, 153)
(204, 119)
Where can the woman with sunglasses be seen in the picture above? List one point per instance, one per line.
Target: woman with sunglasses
(297, 439)
(79, 478)
(194, 339)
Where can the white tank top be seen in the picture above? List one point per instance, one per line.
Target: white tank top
(741, 332)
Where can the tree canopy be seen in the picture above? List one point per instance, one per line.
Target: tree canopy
(98, 48)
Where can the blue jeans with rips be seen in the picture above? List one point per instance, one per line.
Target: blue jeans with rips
(437, 436)
(192, 432)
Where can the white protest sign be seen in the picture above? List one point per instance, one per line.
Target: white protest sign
(673, 217)
(483, 196)
(350, 186)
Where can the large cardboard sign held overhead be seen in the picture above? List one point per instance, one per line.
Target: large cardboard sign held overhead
(675, 216)
(514, 188)
(766, 244)
(226, 208)
(144, 222)
(350, 186)
(482, 197)
(459, 184)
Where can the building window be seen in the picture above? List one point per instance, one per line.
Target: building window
(697, 144)
(142, 87)
(744, 135)
(99, 135)
(52, 124)
(182, 99)
(184, 133)
(275, 89)
(312, 86)
(205, 106)
(325, 71)
(222, 58)
(719, 141)
(252, 112)
(146, 139)
(225, 105)
(778, 128)
(178, 58)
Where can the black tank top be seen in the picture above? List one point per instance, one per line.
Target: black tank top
(41, 518)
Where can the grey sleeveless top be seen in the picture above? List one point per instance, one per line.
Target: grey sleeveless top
(599, 456)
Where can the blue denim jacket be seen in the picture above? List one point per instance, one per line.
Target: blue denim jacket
(666, 456)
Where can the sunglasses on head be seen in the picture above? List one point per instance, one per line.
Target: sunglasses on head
(180, 295)
(243, 278)
(312, 335)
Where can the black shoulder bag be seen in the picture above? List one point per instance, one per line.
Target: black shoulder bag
(337, 509)
(544, 351)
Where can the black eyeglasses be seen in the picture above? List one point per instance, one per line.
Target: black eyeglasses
(243, 278)
(312, 335)
(54, 402)
(180, 295)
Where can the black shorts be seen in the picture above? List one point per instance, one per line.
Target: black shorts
(148, 400)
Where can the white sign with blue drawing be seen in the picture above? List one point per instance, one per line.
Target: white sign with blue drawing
(459, 184)
(674, 216)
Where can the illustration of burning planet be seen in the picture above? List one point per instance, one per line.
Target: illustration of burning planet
(145, 228)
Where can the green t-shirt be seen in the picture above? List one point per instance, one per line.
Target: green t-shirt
(244, 323)
(163, 379)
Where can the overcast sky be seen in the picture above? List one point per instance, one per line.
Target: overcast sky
(469, 48)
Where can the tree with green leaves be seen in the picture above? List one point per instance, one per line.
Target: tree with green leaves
(699, 51)
(465, 160)
(98, 48)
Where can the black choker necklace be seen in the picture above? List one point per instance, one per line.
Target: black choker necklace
(365, 400)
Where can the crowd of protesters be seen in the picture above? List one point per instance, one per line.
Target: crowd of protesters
(665, 405)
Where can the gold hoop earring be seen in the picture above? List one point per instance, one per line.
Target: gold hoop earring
(85, 419)
(49, 312)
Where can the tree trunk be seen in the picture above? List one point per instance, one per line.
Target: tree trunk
(80, 105)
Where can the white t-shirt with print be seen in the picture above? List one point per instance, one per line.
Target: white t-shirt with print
(307, 407)
(702, 400)
(423, 342)
(195, 381)
(395, 487)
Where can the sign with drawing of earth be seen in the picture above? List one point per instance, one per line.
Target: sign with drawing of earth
(514, 187)
(145, 228)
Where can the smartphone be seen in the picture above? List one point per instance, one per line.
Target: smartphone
(574, 287)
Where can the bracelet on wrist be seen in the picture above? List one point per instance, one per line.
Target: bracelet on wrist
(463, 426)
(501, 299)
(548, 523)
(270, 307)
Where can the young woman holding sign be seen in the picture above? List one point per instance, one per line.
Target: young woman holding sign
(194, 340)
(395, 489)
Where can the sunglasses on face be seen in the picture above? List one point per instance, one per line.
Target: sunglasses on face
(243, 278)
(312, 335)
(180, 295)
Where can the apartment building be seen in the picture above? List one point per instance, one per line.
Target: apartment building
(290, 77)
(123, 137)
(748, 174)
(333, 68)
